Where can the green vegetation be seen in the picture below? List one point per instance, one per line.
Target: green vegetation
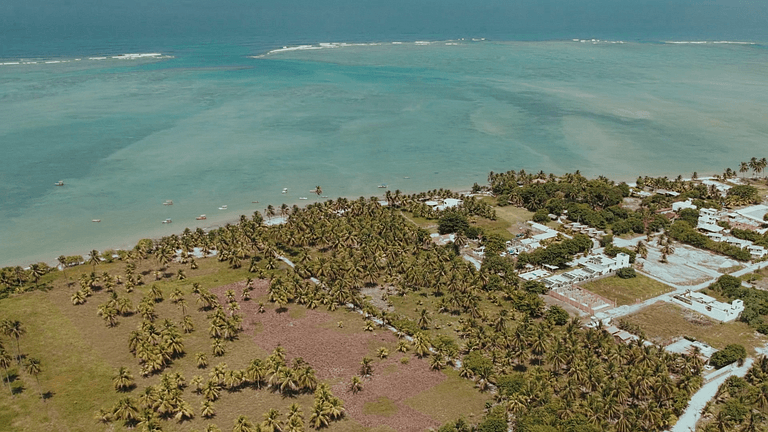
(382, 406)
(740, 403)
(147, 338)
(730, 354)
(682, 232)
(556, 254)
(626, 273)
(625, 291)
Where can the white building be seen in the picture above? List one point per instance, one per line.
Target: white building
(754, 213)
(710, 307)
(601, 265)
(756, 251)
(533, 275)
(679, 205)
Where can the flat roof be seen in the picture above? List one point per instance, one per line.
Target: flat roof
(755, 212)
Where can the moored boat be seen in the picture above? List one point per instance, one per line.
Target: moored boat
(201, 217)
(59, 183)
(95, 220)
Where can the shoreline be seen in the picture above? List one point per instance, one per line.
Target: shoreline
(128, 242)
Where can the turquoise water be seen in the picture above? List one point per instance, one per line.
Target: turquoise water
(214, 126)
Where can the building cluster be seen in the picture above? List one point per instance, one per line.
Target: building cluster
(747, 218)
(577, 227)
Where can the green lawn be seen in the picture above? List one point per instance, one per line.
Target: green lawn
(627, 291)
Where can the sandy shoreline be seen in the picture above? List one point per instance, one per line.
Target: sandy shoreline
(128, 242)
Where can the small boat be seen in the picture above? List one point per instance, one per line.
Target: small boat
(223, 207)
(324, 196)
(95, 220)
(254, 202)
(406, 177)
(167, 221)
(201, 217)
(382, 186)
(168, 202)
(302, 198)
(59, 183)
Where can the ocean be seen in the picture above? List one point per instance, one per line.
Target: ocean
(225, 116)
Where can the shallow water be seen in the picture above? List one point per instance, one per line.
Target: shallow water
(214, 126)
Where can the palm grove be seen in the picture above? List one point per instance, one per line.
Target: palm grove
(541, 370)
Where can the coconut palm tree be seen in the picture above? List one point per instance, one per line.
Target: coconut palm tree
(202, 360)
(356, 385)
(207, 410)
(366, 367)
(318, 190)
(211, 391)
(5, 361)
(272, 422)
(126, 410)
(94, 258)
(34, 368)
(184, 412)
(242, 424)
(14, 328)
(123, 380)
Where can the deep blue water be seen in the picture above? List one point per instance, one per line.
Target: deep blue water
(44, 28)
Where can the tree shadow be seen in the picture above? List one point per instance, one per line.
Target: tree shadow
(48, 395)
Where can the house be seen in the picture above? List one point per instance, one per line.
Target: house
(721, 187)
(710, 307)
(715, 236)
(533, 275)
(739, 243)
(667, 192)
(602, 265)
(679, 205)
(756, 251)
(708, 216)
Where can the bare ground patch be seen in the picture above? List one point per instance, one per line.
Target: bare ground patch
(335, 353)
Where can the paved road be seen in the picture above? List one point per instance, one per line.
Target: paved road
(693, 412)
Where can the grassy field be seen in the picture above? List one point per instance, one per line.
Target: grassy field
(662, 322)
(79, 356)
(627, 291)
(447, 399)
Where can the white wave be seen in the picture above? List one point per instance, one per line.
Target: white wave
(52, 62)
(9, 63)
(686, 42)
(135, 56)
(599, 41)
(422, 43)
(97, 58)
(734, 42)
(397, 43)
